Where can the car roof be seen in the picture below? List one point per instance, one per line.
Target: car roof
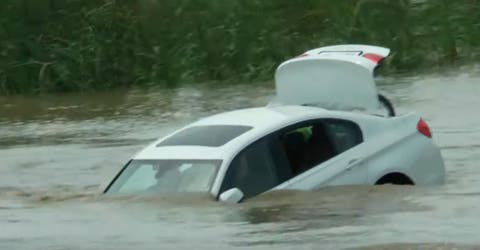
(262, 120)
(261, 117)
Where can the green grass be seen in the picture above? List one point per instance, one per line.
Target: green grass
(88, 45)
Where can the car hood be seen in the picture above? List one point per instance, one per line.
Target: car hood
(336, 77)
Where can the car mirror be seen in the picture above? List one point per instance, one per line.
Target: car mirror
(232, 196)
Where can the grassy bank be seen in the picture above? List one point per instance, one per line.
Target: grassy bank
(84, 45)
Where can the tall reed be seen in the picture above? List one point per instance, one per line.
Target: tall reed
(87, 45)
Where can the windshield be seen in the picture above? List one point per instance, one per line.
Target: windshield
(165, 176)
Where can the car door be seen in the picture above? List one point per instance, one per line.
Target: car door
(336, 154)
(347, 138)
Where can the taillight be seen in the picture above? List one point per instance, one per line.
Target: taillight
(373, 57)
(423, 128)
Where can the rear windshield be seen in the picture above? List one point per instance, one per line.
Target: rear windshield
(208, 136)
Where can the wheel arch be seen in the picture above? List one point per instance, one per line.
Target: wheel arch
(396, 178)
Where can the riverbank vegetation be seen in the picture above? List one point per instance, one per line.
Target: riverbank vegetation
(87, 45)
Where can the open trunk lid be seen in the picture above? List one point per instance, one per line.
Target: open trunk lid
(336, 77)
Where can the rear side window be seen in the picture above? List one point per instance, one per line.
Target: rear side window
(208, 136)
(343, 134)
(311, 143)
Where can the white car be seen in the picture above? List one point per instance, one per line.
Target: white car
(323, 128)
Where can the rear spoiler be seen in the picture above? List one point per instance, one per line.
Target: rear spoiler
(354, 52)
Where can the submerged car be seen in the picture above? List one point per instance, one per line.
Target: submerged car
(323, 128)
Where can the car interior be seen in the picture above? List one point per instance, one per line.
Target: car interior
(307, 147)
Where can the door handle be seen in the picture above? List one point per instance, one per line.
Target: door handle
(353, 162)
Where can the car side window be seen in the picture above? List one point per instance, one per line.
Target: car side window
(311, 143)
(344, 134)
(253, 170)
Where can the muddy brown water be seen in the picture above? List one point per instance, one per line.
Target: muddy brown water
(56, 151)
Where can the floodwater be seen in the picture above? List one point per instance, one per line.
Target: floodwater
(57, 151)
